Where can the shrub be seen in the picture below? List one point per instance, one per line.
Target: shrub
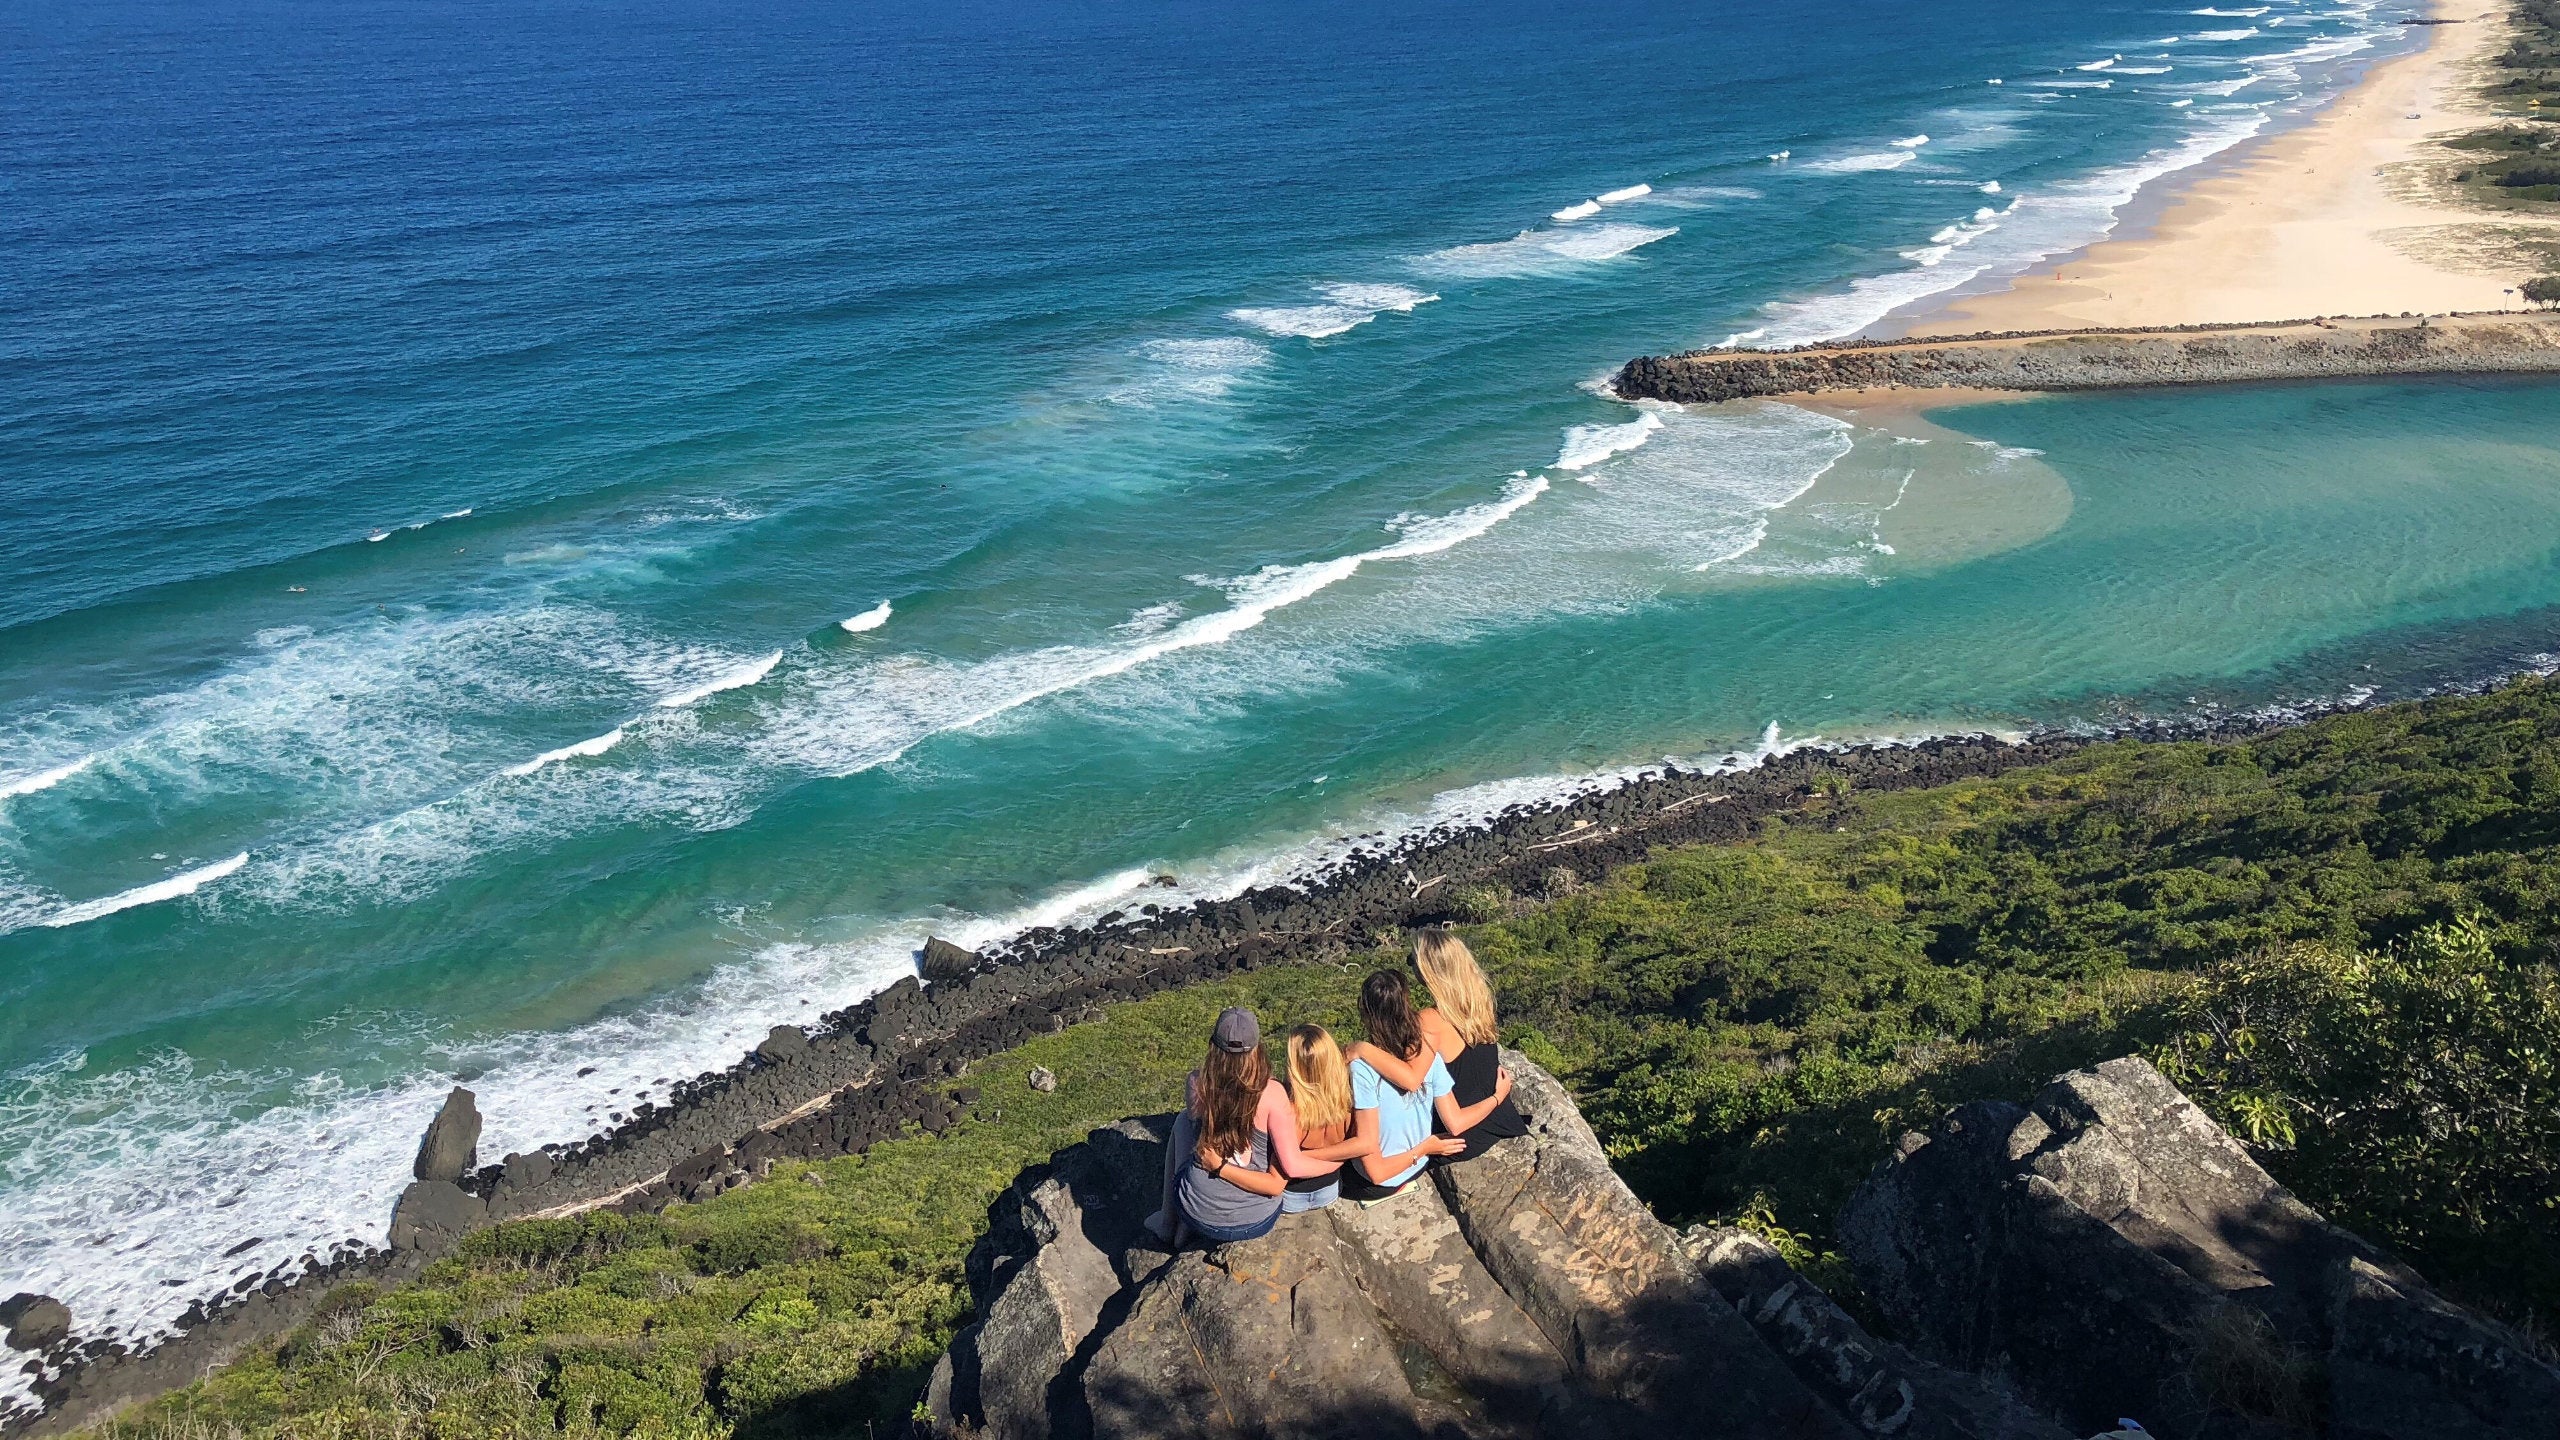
(2413, 1091)
(2544, 291)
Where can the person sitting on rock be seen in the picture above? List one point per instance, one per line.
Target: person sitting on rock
(1219, 1180)
(1311, 1136)
(1399, 1118)
(1460, 1030)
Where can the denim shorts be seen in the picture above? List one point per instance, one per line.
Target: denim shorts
(1224, 1233)
(1298, 1202)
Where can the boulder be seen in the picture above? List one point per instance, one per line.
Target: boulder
(1043, 1079)
(1883, 1389)
(1525, 1293)
(1604, 1280)
(34, 1322)
(432, 1214)
(782, 1043)
(2115, 1253)
(1413, 1264)
(1041, 1279)
(451, 1147)
(943, 962)
(1263, 1338)
(530, 1170)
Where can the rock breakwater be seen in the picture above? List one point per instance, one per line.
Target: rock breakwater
(2097, 359)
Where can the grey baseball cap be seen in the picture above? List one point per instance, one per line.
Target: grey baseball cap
(1237, 1031)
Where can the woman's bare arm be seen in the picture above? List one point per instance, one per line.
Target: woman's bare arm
(1260, 1182)
(1403, 1074)
(1458, 1119)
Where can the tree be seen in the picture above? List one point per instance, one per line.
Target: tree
(2544, 292)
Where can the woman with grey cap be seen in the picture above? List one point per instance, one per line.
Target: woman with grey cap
(1218, 1177)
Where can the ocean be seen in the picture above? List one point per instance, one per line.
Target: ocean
(543, 540)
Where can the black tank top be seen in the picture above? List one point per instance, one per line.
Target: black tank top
(1472, 1075)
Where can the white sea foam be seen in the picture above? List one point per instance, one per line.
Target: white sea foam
(1191, 370)
(1858, 164)
(2105, 64)
(44, 779)
(172, 888)
(2144, 69)
(2249, 14)
(1777, 155)
(871, 619)
(1620, 197)
(2072, 84)
(1583, 211)
(2180, 104)
(1911, 142)
(738, 679)
(1588, 445)
(455, 514)
(595, 746)
(1540, 252)
(2222, 35)
(1345, 307)
(1990, 187)
(2034, 227)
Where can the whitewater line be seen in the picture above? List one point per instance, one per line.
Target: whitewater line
(596, 746)
(158, 890)
(1257, 597)
(44, 779)
(737, 679)
(871, 619)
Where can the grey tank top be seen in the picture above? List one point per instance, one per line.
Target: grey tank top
(1209, 1200)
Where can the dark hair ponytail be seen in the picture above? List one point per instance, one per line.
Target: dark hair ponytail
(1386, 1009)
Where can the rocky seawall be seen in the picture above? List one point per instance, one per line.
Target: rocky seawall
(2095, 359)
(863, 1073)
(2051, 1270)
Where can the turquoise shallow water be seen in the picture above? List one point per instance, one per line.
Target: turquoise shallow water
(445, 445)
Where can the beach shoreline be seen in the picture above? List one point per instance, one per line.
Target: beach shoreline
(2339, 215)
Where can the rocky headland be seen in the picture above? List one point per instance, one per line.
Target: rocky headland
(2095, 359)
(2102, 1254)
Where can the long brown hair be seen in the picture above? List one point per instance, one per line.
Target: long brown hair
(1386, 1009)
(1319, 1083)
(1457, 985)
(1231, 1086)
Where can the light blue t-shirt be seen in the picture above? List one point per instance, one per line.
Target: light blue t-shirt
(1404, 1121)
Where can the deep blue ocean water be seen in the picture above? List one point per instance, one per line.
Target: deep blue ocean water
(556, 537)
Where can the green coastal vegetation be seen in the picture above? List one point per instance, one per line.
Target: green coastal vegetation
(2339, 938)
(2518, 160)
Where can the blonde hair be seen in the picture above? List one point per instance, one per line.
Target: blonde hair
(1319, 1082)
(1457, 986)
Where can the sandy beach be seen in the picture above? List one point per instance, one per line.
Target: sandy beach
(2344, 215)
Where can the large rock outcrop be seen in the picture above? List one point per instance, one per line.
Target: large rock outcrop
(1525, 1293)
(2115, 1253)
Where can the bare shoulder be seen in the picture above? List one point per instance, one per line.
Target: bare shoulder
(1444, 1037)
